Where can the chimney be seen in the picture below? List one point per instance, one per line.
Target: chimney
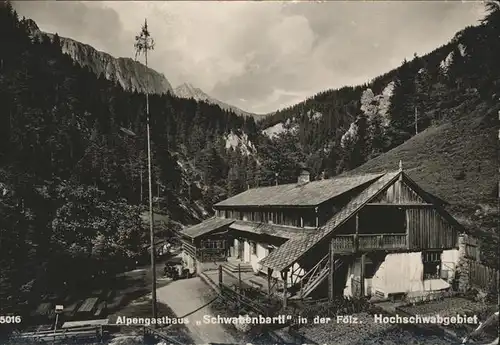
(304, 177)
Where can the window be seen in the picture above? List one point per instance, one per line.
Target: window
(370, 269)
(209, 244)
(432, 264)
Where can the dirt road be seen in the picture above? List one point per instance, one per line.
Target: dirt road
(185, 295)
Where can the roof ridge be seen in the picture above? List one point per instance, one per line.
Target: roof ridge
(337, 177)
(292, 194)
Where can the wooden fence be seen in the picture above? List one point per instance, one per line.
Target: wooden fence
(483, 277)
(472, 248)
(479, 275)
(241, 299)
(90, 335)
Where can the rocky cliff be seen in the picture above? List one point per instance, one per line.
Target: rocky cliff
(130, 74)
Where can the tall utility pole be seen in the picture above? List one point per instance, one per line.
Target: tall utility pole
(140, 177)
(416, 120)
(143, 44)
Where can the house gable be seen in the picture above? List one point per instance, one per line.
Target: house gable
(428, 224)
(424, 217)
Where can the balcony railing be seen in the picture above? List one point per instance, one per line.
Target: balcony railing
(369, 242)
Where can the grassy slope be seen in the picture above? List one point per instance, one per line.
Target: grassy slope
(467, 142)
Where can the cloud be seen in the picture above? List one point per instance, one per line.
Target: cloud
(262, 55)
(98, 24)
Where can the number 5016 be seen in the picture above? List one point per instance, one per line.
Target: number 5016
(10, 319)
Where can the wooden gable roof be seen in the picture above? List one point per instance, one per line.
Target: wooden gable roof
(205, 227)
(293, 194)
(274, 230)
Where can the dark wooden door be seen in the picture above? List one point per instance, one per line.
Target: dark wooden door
(241, 248)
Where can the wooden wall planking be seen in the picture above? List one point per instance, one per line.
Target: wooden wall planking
(428, 230)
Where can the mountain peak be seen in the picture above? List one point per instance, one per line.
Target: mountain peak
(186, 85)
(188, 90)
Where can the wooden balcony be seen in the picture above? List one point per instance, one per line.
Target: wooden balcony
(204, 254)
(211, 254)
(369, 242)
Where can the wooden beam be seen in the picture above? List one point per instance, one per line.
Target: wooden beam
(402, 204)
(357, 223)
(362, 275)
(331, 281)
(356, 235)
(239, 278)
(407, 215)
(284, 276)
(399, 189)
(269, 277)
(239, 286)
(220, 275)
(293, 275)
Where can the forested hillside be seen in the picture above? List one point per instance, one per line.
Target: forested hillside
(438, 114)
(338, 130)
(70, 178)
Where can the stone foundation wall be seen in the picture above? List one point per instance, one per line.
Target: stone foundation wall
(463, 268)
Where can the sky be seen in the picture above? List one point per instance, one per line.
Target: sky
(262, 56)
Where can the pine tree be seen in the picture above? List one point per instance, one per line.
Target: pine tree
(377, 142)
(402, 107)
(233, 182)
